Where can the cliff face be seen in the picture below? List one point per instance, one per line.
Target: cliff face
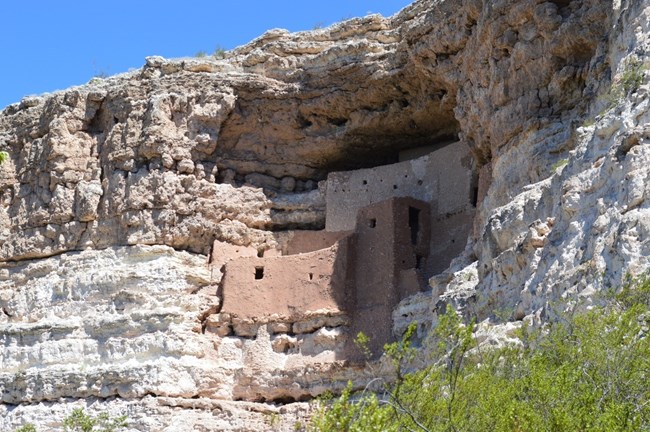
(121, 193)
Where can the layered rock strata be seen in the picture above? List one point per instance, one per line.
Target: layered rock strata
(117, 192)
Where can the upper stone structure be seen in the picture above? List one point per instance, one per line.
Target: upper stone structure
(442, 177)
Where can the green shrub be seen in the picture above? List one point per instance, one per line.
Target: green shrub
(628, 82)
(588, 372)
(632, 76)
(219, 52)
(559, 164)
(79, 421)
(3, 156)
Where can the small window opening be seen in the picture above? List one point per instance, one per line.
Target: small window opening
(475, 196)
(474, 191)
(259, 272)
(394, 186)
(260, 253)
(365, 182)
(372, 223)
(414, 224)
(311, 276)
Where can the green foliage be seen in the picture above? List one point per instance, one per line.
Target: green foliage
(349, 415)
(362, 342)
(628, 82)
(559, 164)
(588, 372)
(402, 351)
(272, 419)
(200, 54)
(634, 293)
(589, 122)
(219, 52)
(79, 421)
(3, 156)
(632, 76)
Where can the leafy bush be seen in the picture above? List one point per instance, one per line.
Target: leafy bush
(79, 421)
(586, 373)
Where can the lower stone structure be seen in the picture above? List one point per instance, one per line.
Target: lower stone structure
(363, 275)
(286, 288)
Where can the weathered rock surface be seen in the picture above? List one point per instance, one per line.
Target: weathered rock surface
(117, 190)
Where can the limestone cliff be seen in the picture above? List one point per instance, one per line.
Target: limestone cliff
(122, 197)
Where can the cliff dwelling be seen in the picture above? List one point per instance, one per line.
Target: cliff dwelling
(387, 230)
(196, 243)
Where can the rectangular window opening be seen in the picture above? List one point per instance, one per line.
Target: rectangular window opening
(372, 223)
(474, 191)
(259, 272)
(414, 224)
(474, 198)
(311, 276)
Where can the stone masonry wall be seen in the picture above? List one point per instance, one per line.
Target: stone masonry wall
(442, 178)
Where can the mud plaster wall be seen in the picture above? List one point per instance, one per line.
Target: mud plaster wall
(284, 288)
(302, 241)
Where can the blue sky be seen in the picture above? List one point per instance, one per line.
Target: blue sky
(53, 44)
